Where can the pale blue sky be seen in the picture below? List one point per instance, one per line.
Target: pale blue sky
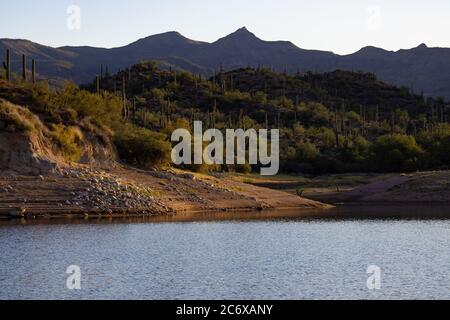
(342, 26)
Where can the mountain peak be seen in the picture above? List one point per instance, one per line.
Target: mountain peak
(243, 30)
(168, 35)
(422, 46)
(241, 34)
(167, 39)
(370, 51)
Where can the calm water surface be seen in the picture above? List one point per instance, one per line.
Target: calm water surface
(221, 256)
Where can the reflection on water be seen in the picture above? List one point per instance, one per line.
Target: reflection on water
(255, 255)
(422, 212)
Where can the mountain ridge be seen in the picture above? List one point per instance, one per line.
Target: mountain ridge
(422, 69)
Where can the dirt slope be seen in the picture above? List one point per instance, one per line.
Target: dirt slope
(119, 190)
(423, 187)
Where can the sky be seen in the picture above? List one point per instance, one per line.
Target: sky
(341, 26)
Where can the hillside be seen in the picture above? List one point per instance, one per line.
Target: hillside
(93, 151)
(62, 154)
(333, 122)
(250, 89)
(421, 69)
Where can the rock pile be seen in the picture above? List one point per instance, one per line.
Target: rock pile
(107, 193)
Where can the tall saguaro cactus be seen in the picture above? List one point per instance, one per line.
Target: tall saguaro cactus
(7, 65)
(24, 67)
(97, 85)
(33, 71)
(124, 98)
(214, 114)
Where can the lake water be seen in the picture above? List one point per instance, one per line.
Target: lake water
(276, 255)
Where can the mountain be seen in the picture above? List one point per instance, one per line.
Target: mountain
(421, 69)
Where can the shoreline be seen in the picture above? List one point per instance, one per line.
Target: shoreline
(187, 216)
(121, 191)
(360, 211)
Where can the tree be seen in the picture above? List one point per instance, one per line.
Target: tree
(306, 152)
(396, 153)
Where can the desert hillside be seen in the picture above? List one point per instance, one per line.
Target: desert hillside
(104, 148)
(56, 161)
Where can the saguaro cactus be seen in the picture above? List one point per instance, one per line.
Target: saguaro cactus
(214, 113)
(24, 67)
(124, 98)
(97, 84)
(336, 127)
(33, 71)
(7, 65)
(267, 121)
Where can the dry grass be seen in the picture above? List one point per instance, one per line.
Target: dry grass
(70, 141)
(18, 119)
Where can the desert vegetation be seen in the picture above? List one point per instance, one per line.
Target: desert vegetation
(329, 123)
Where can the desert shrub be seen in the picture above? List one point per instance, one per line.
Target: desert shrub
(179, 123)
(70, 104)
(260, 97)
(283, 102)
(17, 118)
(353, 117)
(99, 130)
(440, 151)
(396, 153)
(315, 113)
(437, 144)
(356, 150)
(142, 147)
(158, 94)
(69, 140)
(306, 152)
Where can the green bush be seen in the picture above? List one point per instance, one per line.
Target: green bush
(69, 139)
(440, 151)
(306, 152)
(396, 153)
(142, 147)
(357, 150)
